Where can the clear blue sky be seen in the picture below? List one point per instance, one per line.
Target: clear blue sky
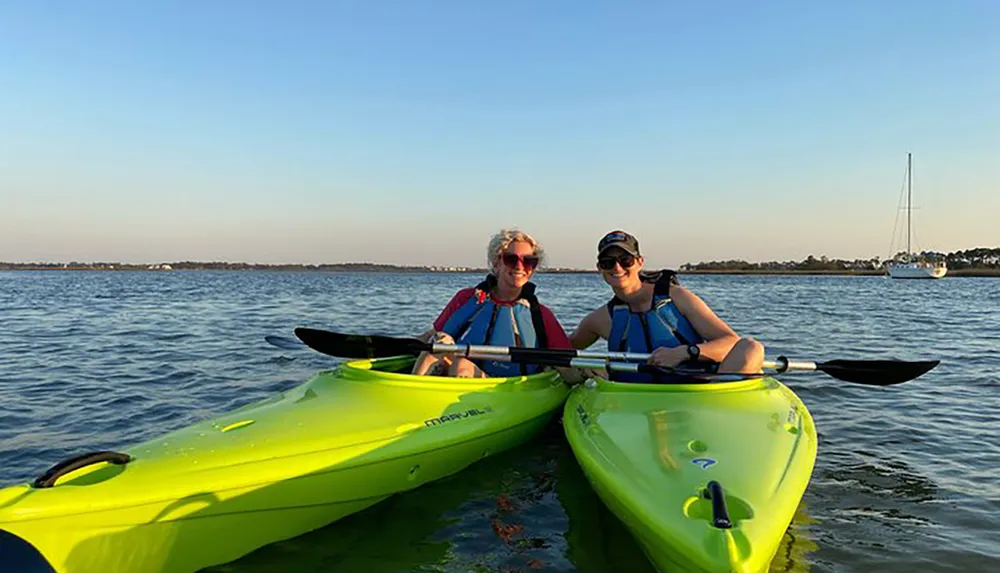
(408, 132)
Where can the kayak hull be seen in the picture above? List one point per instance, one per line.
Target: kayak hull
(650, 452)
(212, 492)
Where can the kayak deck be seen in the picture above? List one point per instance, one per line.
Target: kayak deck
(653, 452)
(214, 491)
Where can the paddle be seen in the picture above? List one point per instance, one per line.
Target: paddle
(868, 372)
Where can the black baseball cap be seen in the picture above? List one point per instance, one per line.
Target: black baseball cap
(619, 239)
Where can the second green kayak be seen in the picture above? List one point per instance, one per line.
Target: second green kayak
(706, 476)
(214, 491)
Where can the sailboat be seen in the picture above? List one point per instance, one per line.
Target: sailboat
(909, 267)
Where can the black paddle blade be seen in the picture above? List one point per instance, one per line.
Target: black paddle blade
(359, 345)
(876, 372)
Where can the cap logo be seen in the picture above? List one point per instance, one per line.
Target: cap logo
(613, 238)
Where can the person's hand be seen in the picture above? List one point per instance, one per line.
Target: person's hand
(465, 368)
(586, 373)
(574, 376)
(442, 338)
(669, 357)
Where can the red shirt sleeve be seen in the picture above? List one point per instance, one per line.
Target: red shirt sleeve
(458, 300)
(554, 330)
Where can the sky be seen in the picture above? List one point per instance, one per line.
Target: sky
(409, 132)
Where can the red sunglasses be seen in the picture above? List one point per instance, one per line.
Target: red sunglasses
(528, 262)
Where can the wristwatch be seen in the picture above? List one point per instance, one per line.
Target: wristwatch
(693, 351)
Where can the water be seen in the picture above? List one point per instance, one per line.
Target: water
(907, 478)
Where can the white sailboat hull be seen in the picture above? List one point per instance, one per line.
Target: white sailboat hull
(916, 271)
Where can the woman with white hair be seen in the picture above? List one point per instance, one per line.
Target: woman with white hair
(500, 311)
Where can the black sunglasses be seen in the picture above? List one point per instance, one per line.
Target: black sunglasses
(608, 263)
(528, 262)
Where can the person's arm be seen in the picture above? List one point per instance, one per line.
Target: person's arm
(590, 329)
(426, 360)
(586, 333)
(558, 340)
(554, 332)
(719, 337)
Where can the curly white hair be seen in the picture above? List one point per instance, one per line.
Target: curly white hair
(500, 241)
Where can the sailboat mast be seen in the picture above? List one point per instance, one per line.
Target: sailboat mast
(909, 199)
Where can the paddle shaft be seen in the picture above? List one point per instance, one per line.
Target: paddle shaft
(633, 367)
(596, 359)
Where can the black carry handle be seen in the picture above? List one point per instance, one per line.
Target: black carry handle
(49, 478)
(720, 513)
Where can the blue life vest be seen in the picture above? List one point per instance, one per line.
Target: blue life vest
(662, 325)
(481, 321)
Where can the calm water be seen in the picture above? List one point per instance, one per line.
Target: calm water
(907, 478)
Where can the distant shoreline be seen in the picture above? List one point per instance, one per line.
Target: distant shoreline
(871, 273)
(375, 268)
(188, 266)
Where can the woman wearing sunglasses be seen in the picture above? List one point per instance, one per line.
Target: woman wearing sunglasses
(500, 311)
(651, 313)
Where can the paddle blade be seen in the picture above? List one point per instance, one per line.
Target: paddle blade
(359, 345)
(876, 372)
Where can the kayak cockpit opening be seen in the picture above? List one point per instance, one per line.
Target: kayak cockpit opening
(395, 364)
(18, 555)
(400, 365)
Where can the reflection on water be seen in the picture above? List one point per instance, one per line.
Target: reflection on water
(797, 544)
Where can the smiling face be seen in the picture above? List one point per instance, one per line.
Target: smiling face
(619, 268)
(516, 265)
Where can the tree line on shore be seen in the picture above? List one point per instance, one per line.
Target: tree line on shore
(227, 266)
(978, 258)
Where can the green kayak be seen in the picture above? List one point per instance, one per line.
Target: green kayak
(209, 493)
(706, 476)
